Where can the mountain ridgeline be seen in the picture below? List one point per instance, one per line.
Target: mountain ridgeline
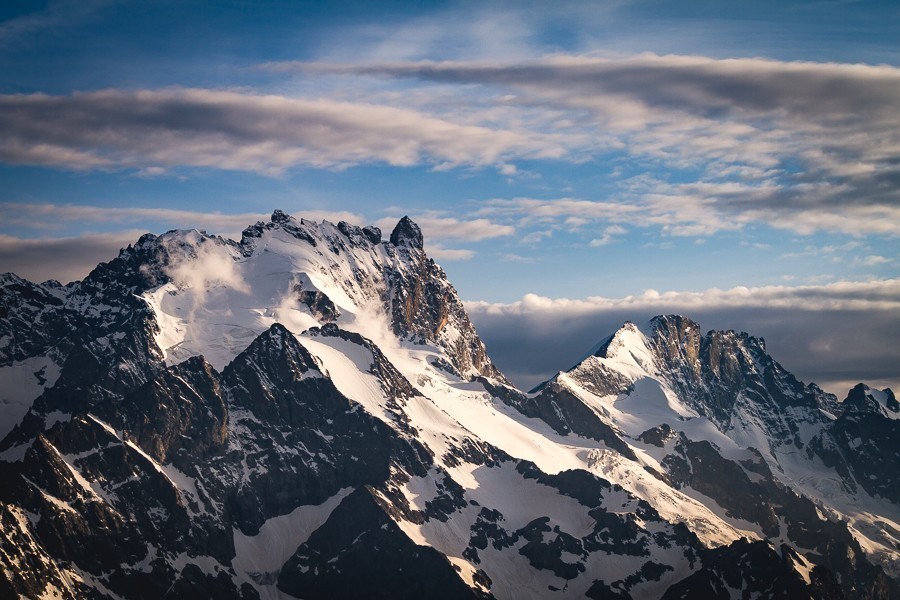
(309, 413)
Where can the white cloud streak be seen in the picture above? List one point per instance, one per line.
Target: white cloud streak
(608, 236)
(449, 254)
(700, 210)
(437, 227)
(799, 146)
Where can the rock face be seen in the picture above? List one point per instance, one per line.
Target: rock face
(310, 413)
(757, 570)
(424, 306)
(407, 233)
(861, 443)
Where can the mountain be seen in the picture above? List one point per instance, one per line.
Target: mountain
(720, 420)
(309, 413)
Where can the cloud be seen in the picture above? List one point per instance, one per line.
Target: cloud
(453, 29)
(48, 215)
(696, 210)
(210, 267)
(535, 237)
(151, 129)
(879, 294)
(63, 259)
(55, 15)
(873, 260)
(830, 334)
(437, 227)
(797, 145)
(687, 85)
(800, 146)
(827, 250)
(449, 254)
(531, 211)
(608, 236)
(513, 257)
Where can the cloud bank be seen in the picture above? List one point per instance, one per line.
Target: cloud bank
(63, 259)
(835, 335)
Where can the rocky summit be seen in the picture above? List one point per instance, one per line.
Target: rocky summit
(309, 413)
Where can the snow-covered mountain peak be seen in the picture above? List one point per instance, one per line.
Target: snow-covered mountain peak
(627, 349)
(220, 295)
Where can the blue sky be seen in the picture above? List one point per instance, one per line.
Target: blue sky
(579, 151)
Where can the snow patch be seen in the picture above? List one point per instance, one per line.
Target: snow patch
(277, 540)
(20, 384)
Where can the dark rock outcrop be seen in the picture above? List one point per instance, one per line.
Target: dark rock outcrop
(407, 233)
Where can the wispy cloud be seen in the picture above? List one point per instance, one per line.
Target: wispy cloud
(874, 260)
(535, 237)
(449, 254)
(608, 236)
(513, 257)
(55, 15)
(698, 209)
(228, 130)
(452, 30)
(799, 146)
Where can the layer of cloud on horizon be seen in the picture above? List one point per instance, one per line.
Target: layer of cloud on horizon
(63, 259)
(835, 335)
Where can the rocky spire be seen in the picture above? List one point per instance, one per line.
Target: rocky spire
(279, 216)
(407, 233)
